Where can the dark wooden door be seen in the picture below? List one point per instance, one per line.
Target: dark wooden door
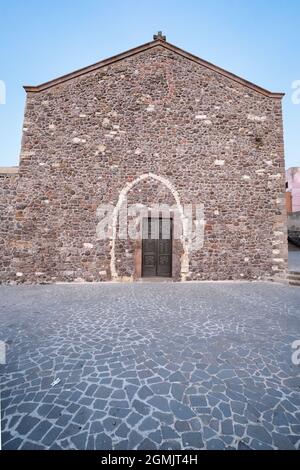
(157, 247)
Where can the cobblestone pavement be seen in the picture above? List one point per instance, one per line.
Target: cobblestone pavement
(150, 366)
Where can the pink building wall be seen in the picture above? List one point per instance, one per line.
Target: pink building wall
(293, 186)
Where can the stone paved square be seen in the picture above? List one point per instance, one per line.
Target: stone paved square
(150, 366)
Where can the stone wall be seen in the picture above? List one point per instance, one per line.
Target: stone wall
(8, 188)
(216, 141)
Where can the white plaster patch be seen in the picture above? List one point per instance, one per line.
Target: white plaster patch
(150, 108)
(200, 116)
(219, 162)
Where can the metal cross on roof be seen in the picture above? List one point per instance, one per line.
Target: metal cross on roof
(160, 36)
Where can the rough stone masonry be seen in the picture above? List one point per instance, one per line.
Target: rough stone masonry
(169, 127)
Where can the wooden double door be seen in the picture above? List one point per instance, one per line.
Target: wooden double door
(157, 247)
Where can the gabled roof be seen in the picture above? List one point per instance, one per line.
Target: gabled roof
(161, 42)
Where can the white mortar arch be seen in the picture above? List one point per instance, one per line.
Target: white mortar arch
(185, 256)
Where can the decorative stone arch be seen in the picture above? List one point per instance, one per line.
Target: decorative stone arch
(184, 262)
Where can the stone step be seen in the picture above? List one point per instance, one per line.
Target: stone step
(294, 277)
(293, 282)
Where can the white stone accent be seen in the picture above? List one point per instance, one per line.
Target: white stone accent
(77, 140)
(138, 152)
(82, 115)
(200, 116)
(246, 177)
(253, 117)
(88, 246)
(278, 175)
(216, 212)
(102, 273)
(52, 127)
(276, 252)
(101, 148)
(19, 274)
(122, 196)
(105, 122)
(207, 122)
(278, 260)
(38, 273)
(246, 259)
(219, 162)
(150, 108)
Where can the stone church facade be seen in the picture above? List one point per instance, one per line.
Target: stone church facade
(155, 125)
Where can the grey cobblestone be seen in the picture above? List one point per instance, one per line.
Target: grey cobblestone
(150, 366)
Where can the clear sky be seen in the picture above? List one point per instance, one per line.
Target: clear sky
(43, 39)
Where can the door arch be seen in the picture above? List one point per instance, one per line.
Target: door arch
(184, 261)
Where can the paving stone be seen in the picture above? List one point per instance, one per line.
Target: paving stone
(147, 444)
(215, 444)
(198, 400)
(161, 388)
(169, 433)
(51, 436)
(170, 445)
(103, 442)
(192, 440)
(123, 430)
(79, 441)
(145, 392)
(227, 427)
(148, 424)
(180, 410)
(39, 431)
(156, 436)
(27, 424)
(259, 433)
(159, 402)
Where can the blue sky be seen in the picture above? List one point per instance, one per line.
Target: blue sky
(41, 40)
